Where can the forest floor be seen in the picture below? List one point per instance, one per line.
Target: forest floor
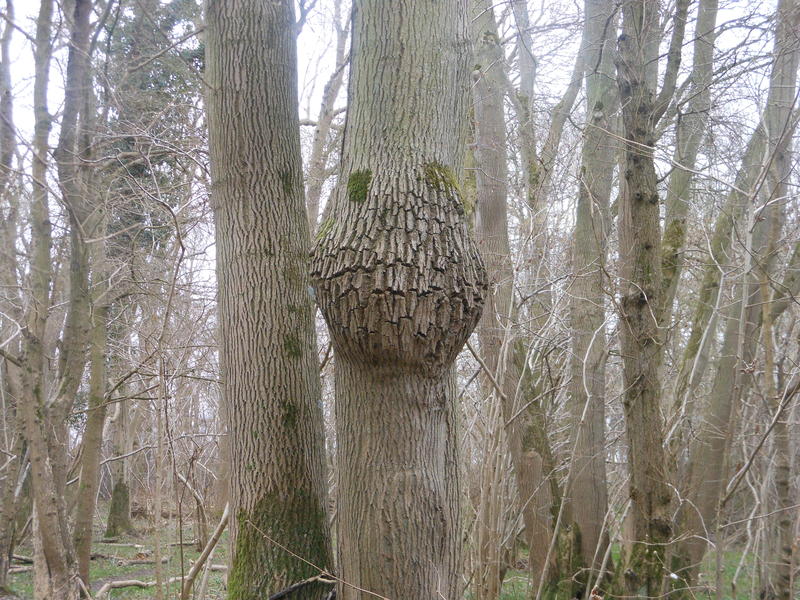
(106, 566)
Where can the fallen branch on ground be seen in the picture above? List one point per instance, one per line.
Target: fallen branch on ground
(115, 585)
(23, 559)
(127, 562)
(120, 544)
(15, 570)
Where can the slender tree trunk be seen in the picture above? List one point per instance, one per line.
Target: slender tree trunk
(119, 511)
(588, 495)
(92, 443)
(496, 331)
(317, 163)
(46, 411)
(708, 462)
(10, 390)
(640, 295)
(401, 285)
(690, 130)
(266, 317)
(780, 128)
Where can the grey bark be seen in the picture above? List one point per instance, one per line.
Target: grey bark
(709, 458)
(640, 291)
(266, 316)
(497, 330)
(690, 130)
(46, 410)
(401, 286)
(587, 490)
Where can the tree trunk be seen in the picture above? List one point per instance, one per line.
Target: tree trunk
(317, 161)
(91, 444)
(690, 131)
(46, 410)
(709, 454)
(587, 489)
(401, 285)
(119, 510)
(266, 318)
(497, 329)
(640, 292)
(780, 127)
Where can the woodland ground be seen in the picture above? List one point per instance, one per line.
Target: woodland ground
(515, 587)
(107, 569)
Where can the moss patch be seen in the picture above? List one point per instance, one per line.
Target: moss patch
(287, 181)
(291, 344)
(261, 567)
(324, 228)
(358, 185)
(442, 179)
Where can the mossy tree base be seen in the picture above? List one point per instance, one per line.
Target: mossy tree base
(119, 514)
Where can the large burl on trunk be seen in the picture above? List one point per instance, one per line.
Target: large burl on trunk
(401, 285)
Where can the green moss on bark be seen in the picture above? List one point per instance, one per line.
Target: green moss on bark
(119, 516)
(292, 346)
(358, 185)
(441, 178)
(325, 228)
(287, 182)
(260, 567)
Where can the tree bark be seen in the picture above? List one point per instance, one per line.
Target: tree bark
(709, 453)
(266, 318)
(119, 510)
(401, 286)
(640, 293)
(46, 411)
(690, 131)
(587, 489)
(497, 329)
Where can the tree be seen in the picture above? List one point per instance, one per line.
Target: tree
(587, 487)
(640, 287)
(401, 285)
(496, 330)
(761, 181)
(266, 316)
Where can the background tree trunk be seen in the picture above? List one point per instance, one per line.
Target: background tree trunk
(587, 485)
(497, 330)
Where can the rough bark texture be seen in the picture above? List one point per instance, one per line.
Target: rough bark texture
(588, 495)
(640, 284)
(266, 316)
(401, 286)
